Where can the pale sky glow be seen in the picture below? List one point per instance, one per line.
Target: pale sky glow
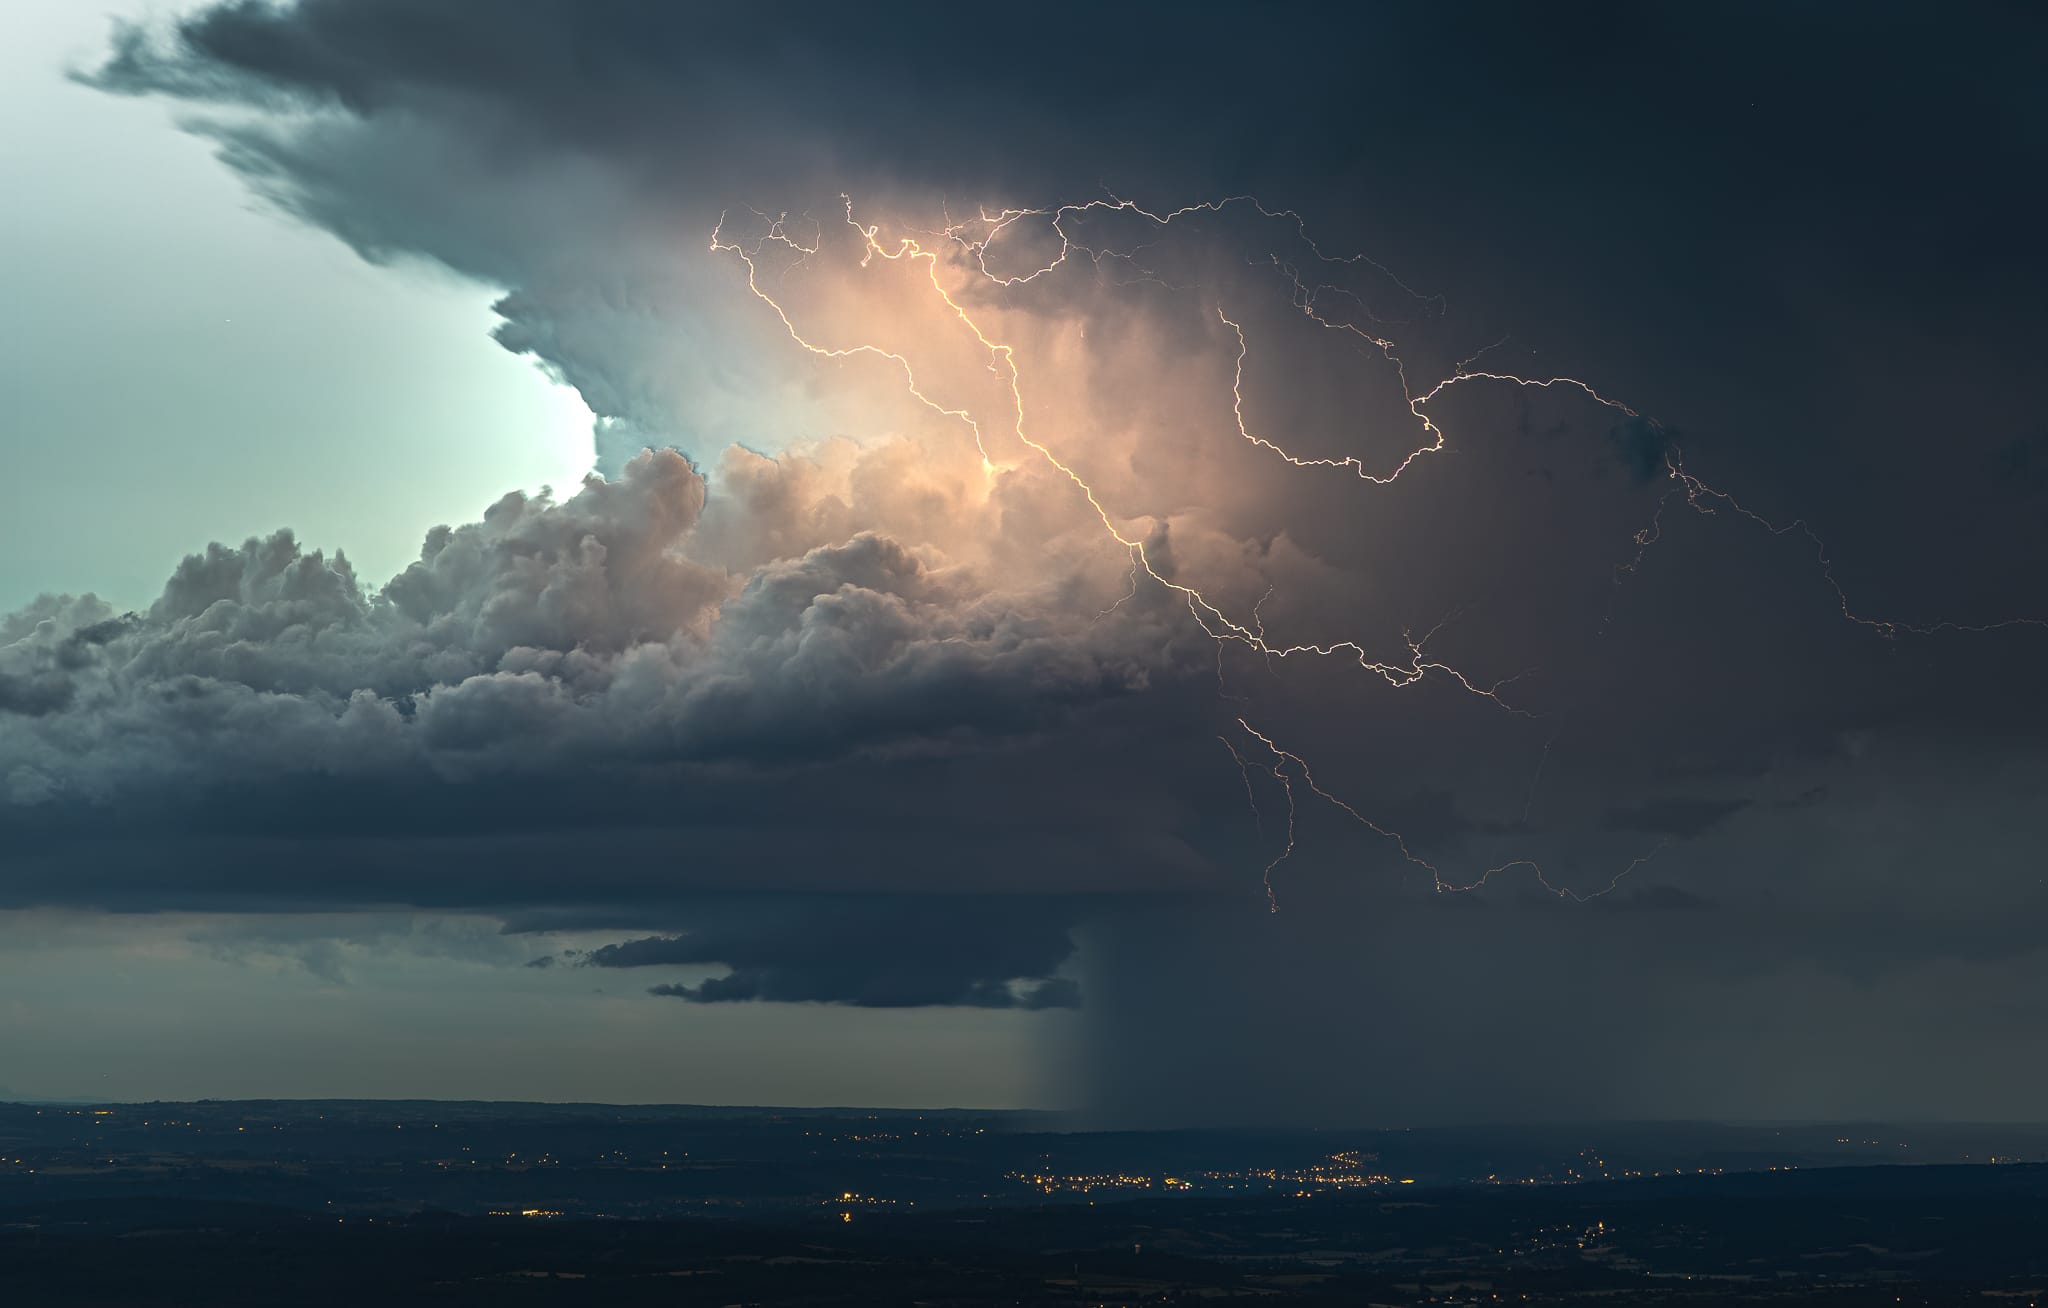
(215, 370)
(180, 1006)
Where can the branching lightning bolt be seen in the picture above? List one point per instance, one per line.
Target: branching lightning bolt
(1289, 765)
(1244, 770)
(1212, 619)
(1286, 767)
(1703, 498)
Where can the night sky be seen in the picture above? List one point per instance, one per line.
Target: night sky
(1161, 651)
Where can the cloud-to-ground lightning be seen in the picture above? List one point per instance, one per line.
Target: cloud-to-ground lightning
(972, 240)
(1289, 766)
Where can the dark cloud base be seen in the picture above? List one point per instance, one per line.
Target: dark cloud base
(871, 952)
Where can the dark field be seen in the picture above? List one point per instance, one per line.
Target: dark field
(375, 1203)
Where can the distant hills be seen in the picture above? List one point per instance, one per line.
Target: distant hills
(11, 1096)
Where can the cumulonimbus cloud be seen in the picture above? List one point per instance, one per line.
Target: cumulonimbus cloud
(544, 633)
(817, 663)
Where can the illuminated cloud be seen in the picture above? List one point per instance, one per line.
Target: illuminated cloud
(548, 633)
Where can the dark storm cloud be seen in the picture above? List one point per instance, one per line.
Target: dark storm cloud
(1643, 447)
(41, 679)
(33, 696)
(1808, 246)
(557, 665)
(530, 144)
(572, 715)
(870, 952)
(824, 84)
(2023, 464)
(1676, 815)
(545, 625)
(1617, 173)
(1655, 899)
(903, 92)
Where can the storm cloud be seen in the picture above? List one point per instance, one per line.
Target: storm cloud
(809, 701)
(871, 952)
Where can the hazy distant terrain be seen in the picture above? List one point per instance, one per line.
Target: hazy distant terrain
(417, 1202)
